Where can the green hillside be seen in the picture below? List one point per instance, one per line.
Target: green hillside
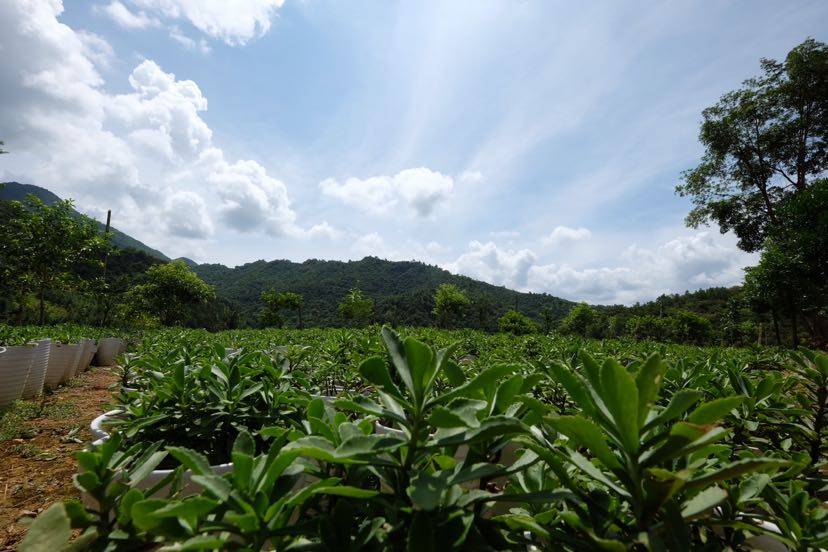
(15, 191)
(402, 290)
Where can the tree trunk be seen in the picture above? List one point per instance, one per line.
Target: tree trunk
(776, 327)
(21, 308)
(42, 305)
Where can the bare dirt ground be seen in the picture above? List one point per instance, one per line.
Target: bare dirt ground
(37, 446)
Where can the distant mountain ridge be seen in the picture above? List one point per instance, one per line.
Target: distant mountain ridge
(402, 290)
(16, 191)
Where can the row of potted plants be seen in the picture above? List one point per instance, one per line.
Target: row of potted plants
(217, 451)
(27, 370)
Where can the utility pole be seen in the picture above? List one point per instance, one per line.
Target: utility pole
(104, 303)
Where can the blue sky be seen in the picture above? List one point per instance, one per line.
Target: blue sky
(530, 144)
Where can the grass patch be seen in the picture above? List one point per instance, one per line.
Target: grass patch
(12, 420)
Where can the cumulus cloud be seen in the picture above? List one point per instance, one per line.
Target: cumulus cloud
(146, 154)
(563, 234)
(421, 191)
(235, 23)
(186, 216)
(488, 262)
(688, 262)
(125, 18)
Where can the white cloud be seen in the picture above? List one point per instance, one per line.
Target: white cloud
(372, 244)
(121, 15)
(562, 234)
(488, 262)
(189, 43)
(235, 22)
(146, 154)
(97, 49)
(689, 262)
(471, 177)
(186, 216)
(420, 190)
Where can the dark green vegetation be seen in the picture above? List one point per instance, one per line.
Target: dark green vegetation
(451, 440)
(14, 191)
(403, 291)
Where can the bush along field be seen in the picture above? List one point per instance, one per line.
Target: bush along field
(433, 440)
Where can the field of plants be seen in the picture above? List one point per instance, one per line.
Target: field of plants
(427, 439)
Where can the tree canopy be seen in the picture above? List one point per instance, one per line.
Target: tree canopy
(168, 292)
(449, 303)
(355, 308)
(763, 143)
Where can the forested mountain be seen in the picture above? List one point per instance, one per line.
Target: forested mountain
(16, 191)
(402, 290)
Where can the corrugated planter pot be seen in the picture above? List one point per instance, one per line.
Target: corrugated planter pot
(37, 371)
(108, 350)
(15, 363)
(63, 359)
(76, 350)
(89, 349)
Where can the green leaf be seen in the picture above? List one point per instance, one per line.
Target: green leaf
(736, 469)
(460, 413)
(139, 473)
(217, 485)
(191, 507)
(649, 380)
(454, 374)
(575, 387)
(620, 395)
(713, 411)
(421, 363)
(703, 502)
(586, 433)
(375, 371)
(397, 351)
(143, 513)
(680, 402)
(51, 531)
(426, 490)
(192, 460)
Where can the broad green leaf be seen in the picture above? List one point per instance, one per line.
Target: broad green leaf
(574, 387)
(620, 395)
(736, 469)
(586, 433)
(192, 460)
(51, 531)
(680, 402)
(375, 371)
(217, 485)
(649, 380)
(397, 351)
(140, 472)
(703, 502)
(420, 359)
(713, 411)
(143, 513)
(344, 490)
(426, 490)
(454, 374)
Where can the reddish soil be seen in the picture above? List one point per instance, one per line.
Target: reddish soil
(37, 465)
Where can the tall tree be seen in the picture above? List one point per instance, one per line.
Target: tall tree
(763, 143)
(168, 292)
(355, 308)
(43, 246)
(449, 304)
(275, 302)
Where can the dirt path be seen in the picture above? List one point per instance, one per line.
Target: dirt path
(37, 449)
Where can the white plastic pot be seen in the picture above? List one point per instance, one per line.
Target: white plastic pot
(73, 355)
(14, 370)
(63, 359)
(89, 348)
(37, 370)
(108, 350)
